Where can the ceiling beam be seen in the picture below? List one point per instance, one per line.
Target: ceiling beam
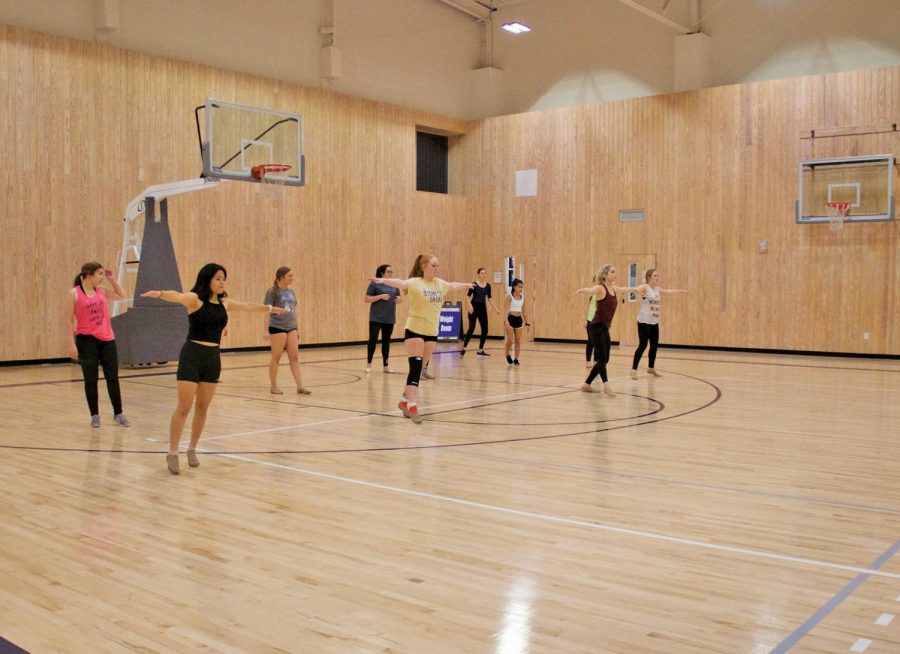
(656, 16)
(474, 8)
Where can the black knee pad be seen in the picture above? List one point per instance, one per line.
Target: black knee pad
(415, 371)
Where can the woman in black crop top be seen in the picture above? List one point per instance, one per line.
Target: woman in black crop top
(481, 297)
(199, 364)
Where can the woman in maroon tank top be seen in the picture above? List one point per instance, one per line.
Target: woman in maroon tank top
(605, 294)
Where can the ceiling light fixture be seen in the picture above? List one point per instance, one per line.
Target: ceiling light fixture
(516, 27)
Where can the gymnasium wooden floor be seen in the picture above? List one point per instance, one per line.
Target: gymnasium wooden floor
(739, 503)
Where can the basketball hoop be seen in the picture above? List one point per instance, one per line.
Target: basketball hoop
(837, 211)
(271, 177)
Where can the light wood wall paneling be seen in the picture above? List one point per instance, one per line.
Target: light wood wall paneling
(715, 170)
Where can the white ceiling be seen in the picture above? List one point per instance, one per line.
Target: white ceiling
(422, 53)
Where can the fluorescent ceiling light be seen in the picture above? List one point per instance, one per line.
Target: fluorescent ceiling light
(516, 27)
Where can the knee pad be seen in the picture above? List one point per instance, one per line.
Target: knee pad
(415, 371)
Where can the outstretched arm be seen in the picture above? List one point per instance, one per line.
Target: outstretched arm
(188, 300)
(391, 281)
(670, 291)
(459, 286)
(234, 305)
(589, 290)
(630, 289)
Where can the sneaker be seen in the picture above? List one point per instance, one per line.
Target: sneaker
(515, 362)
(634, 374)
(276, 391)
(427, 375)
(368, 369)
(482, 353)
(122, 420)
(172, 463)
(193, 461)
(304, 391)
(586, 388)
(508, 359)
(404, 407)
(462, 352)
(414, 415)
(95, 421)
(388, 370)
(608, 391)
(653, 372)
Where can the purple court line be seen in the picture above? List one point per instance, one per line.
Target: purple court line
(7, 647)
(833, 603)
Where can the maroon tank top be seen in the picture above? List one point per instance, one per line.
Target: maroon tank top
(606, 309)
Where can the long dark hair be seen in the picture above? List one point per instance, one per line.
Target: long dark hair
(204, 277)
(279, 274)
(379, 273)
(87, 269)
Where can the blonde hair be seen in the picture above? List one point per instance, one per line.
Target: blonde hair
(419, 265)
(602, 272)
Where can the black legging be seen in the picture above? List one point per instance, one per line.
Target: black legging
(386, 329)
(601, 342)
(646, 333)
(92, 353)
(589, 348)
(479, 312)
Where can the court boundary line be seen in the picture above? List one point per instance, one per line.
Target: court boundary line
(571, 522)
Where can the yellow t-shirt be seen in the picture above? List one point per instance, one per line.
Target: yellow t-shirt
(425, 302)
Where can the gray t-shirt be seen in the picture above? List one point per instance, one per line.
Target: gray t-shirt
(286, 300)
(383, 310)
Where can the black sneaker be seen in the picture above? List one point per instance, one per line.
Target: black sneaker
(462, 352)
(482, 353)
(509, 359)
(516, 362)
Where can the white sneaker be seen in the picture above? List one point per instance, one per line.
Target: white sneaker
(368, 370)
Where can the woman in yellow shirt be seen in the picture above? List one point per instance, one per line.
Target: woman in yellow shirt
(426, 292)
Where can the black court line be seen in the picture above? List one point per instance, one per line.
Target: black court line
(660, 407)
(398, 448)
(446, 352)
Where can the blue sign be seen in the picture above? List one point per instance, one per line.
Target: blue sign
(450, 324)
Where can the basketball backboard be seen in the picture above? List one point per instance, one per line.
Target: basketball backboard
(235, 138)
(866, 183)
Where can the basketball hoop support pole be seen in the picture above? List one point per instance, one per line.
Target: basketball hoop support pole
(150, 331)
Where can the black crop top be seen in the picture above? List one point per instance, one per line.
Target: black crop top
(207, 323)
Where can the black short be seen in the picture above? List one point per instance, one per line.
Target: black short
(428, 339)
(277, 330)
(199, 363)
(514, 321)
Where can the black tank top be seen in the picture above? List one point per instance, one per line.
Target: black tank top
(207, 322)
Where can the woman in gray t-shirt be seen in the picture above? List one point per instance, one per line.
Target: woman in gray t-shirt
(382, 301)
(282, 329)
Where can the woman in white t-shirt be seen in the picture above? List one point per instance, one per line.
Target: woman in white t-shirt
(648, 320)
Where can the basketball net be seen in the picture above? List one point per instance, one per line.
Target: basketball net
(272, 177)
(837, 211)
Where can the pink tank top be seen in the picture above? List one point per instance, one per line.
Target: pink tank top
(92, 315)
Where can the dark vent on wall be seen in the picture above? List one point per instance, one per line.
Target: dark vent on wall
(432, 162)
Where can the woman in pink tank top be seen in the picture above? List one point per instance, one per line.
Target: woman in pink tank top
(90, 336)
